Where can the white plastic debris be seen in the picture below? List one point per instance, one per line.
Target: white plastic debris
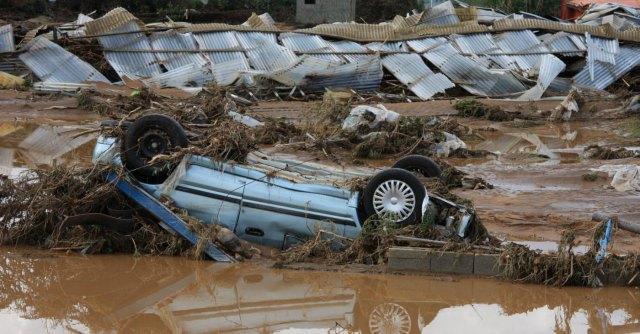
(244, 119)
(369, 115)
(625, 177)
(451, 143)
(566, 108)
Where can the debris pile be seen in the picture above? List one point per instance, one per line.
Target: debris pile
(503, 56)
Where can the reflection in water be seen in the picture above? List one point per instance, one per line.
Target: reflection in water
(28, 145)
(122, 293)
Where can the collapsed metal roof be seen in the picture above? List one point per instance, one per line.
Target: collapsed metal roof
(428, 53)
(51, 63)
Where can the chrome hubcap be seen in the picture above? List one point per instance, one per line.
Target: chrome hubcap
(394, 199)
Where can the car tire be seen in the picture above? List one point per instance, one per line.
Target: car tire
(394, 193)
(148, 136)
(420, 164)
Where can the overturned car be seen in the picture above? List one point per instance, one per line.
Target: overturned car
(260, 206)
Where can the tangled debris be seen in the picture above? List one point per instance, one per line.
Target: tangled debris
(605, 153)
(34, 207)
(471, 107)
(564, 267)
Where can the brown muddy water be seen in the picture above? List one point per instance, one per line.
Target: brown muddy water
(42, 291)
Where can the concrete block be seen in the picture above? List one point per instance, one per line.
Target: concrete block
(400, 264)
(452, 263)
(486, 264)
(409, 252)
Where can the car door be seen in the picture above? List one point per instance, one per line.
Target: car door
(278, 213)
(210, 192)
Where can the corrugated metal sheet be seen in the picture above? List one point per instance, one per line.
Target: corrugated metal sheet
(217, 27)
(220, 41)
(264, 53)
(471, 75)
(303, 43)
(172, 40)
(411, 70)
(354, 31)
(439, 54)
(264, 21)
(522, 41)
(185, 76)
(567, 44)
(425, 44)
(481, 44)
(442, 14)
(228, 72)
(295, 75)
(343, 47)
(363, 75)
(488, 15)
(50, 62)
(605, 73)
(387, 47)
(226, 65)
(132, 64)
(469, 27)
(115, 18)
(550, 67)
(6, 39)
(598, 49)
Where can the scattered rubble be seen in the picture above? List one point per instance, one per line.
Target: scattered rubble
(605, 153)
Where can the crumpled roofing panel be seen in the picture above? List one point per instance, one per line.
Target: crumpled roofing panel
(6, 39)
(362, 75)
(605, 73)
(50, 62)
(411, 70)
(343, 47)
(225, 40)
(264, 52)
(387, 47)
(309, 43)
(442, 14)
(549, 68)
(426, 44)
(471, 75)
(264, 21)
(296, 74)
(115, 18)
(354, 31)
(521, 42)
(568, 44)
(122, 51)
(482, 44)
(172, 40)
(188, 75)
(599, 49)
(228, 73)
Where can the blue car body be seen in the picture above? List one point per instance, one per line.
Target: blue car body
(257, 207)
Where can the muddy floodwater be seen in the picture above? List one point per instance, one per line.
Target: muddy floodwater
(42, 291)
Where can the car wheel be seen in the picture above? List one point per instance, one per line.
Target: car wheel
(420, 164)
(394, 194)
(147, 137)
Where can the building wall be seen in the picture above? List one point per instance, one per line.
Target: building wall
(325, 11)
